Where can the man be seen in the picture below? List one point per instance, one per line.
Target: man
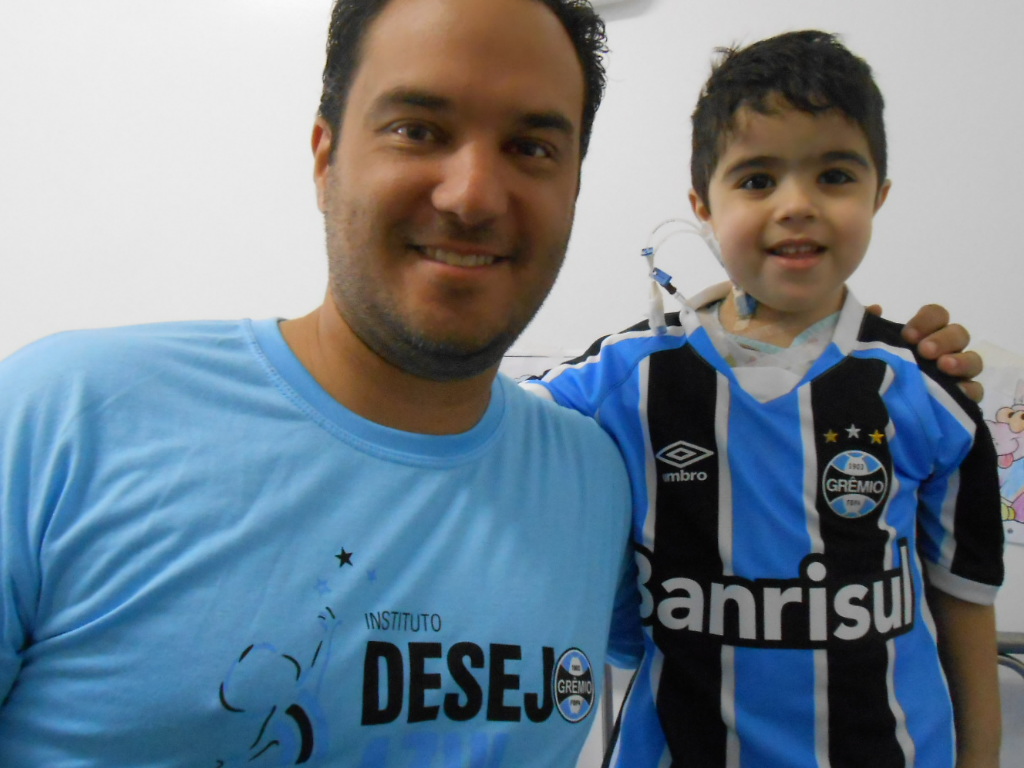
(337, 540)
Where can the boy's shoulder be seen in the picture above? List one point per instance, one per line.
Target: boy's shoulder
(878, 332)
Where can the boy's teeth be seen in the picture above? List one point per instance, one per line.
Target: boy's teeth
(459, 259)
(793, 250)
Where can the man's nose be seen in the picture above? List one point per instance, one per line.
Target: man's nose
(473, 184)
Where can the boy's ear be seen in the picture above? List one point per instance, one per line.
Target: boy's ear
(883, 193)
(700, 208)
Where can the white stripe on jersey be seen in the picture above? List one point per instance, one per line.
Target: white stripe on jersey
(821, 713)
(902, 733)
(901, 352)
(723, 404)
(651, 465)
(948, 550)
(813, 523)
(810, 471)
(946, 401)
(656, 666)
(732, 744)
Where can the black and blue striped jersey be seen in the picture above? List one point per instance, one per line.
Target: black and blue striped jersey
(783, 546)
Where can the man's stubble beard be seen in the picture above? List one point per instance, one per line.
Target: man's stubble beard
(375, 319)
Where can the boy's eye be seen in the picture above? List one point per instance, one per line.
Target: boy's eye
(758, 181)
(836, 176)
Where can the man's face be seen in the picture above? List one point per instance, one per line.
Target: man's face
(450, 199)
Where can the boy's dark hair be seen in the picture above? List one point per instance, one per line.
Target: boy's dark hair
(811, 70)
(350, 20)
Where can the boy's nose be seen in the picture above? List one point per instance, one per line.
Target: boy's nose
(472, 186)
(795, 200)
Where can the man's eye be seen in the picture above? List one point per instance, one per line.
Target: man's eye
(531, 148)
(414, 132)
(758, 181)
(836, 176)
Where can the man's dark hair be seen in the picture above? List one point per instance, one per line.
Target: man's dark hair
(351, 19)
(810, 70)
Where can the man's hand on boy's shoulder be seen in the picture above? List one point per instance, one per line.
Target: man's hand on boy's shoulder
(937, 339)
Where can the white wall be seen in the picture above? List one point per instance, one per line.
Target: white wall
(950, 73)
(154, 163)
(154, 160)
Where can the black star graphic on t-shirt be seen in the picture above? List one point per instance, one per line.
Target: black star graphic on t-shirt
(345, 558)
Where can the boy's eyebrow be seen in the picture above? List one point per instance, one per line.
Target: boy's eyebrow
(421, 99)
(767, 161)
(848, 155)
(751, 163)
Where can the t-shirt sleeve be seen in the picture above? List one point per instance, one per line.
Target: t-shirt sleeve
(12, 628)
(960, 523)
(21, 423)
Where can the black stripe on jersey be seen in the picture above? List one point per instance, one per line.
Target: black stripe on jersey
(850, 419)
(686, 531)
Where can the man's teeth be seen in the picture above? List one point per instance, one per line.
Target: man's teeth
(459, 259)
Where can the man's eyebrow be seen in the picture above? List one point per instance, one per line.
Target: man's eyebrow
(410, 97)
(549, 121)
(414, 97)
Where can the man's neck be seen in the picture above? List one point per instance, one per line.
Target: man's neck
(375, 389)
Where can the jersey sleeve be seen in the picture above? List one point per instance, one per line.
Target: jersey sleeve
(960, 524)
(576, 383)
(584, 383)
(626, 639)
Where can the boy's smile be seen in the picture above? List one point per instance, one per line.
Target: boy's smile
(791, 202)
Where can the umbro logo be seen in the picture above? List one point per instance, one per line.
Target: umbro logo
(682, 454)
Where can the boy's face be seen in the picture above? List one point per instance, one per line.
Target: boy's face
(791, 203)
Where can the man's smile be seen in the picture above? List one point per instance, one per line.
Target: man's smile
(458, 258)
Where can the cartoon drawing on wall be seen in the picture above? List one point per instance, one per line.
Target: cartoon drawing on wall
(1008, 435)
(1003, 408)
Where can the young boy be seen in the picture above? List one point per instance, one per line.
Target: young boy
(794, 463)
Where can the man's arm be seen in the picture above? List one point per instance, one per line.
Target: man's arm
(967, 646)
(937, 339)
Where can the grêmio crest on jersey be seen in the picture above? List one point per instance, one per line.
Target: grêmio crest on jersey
(779, 541)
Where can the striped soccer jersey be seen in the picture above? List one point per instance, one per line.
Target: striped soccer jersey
(780, 546)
